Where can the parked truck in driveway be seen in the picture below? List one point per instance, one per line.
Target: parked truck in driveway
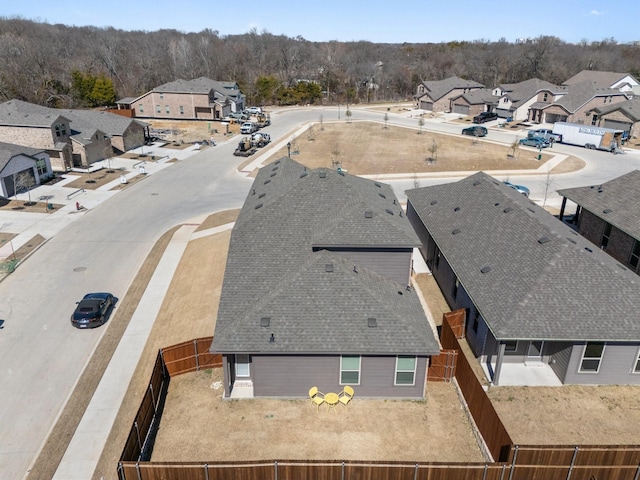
(589, 136)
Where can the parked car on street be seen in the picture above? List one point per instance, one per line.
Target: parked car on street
(536, 142)
(239, 116)
(485, 117)
(248, 128)
(518, 188)
(92, 310)
(545, 133)
(476, 131)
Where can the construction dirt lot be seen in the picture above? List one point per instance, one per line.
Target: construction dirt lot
(198, 425)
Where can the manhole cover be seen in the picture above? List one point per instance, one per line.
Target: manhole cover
(79, 269)
(155, 194)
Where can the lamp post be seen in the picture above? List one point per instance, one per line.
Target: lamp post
(289, 149)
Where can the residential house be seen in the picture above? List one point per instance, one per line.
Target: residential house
(535, 291)
(198, 99)
(436, 95)
(623, 116)
(124, 133)
(31, 125)
(618, 81)
(575, 104)
(607, 215)
(474, 102)
(317, 290)
(16, 161)
(515, 100)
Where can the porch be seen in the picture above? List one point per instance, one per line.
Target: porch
(531, 373)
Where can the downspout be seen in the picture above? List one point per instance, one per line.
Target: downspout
(501, 350)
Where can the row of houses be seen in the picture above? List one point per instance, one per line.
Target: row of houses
(38, 141)
(317, 287)
(604, 99)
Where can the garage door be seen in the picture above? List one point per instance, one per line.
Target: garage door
(24, 179)
(625, 126)
(426, 105)
(461, 109)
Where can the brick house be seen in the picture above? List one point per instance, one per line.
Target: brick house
(317, 290)
(624, 82)
(536, 293)
(474, 102)
(436, 95)
(607, 215)
(516, 100)
(31, 125)
(198, 99)
(623, 116)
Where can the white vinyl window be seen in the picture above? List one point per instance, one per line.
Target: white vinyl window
(405, 370)
(592, 357)
(350, 370)
(242, 365)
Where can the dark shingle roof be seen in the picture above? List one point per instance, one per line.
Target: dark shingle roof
(619, 197)
(109, 123)
(629, 108)
(276, 268)
(579, 94)
(436, 89)
(546, 282)
(10, 150)
(19, 113)
(601, 79)
(522, 92)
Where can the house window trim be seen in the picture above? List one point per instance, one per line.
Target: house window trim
(583, 358)
(634, 255)
(606, 235)
(359, 357)
(247, 363)
(635, 368)
(510, 350)
(415, 368)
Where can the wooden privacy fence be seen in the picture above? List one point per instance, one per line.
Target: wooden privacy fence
(181, 358)
(514, 462)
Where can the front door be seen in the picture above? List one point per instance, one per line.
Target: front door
(535, 350)
(242, 366)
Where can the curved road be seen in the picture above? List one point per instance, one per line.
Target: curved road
(42, 356)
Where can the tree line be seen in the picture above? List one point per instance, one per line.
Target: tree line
(64, 66)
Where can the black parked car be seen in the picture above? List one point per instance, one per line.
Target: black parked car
(92, 310)
(476, 131)
(485, 117)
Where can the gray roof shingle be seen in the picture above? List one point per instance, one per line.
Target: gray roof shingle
(545, 283)
(276, 268)
(436, 89)
(19, 113)
(618, 197)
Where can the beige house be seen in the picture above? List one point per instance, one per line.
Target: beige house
(515, 100)
(198, 99)
(622, 116)
(437, 95)
(30, 125)
(22, 168)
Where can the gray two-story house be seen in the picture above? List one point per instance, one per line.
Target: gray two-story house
(317, 290)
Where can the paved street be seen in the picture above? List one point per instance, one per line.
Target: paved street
(102, 247)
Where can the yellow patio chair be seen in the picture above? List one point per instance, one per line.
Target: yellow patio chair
(346, 395)
(317, 397)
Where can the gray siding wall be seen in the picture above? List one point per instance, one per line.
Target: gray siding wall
(616, 366)
(394, 264)
(293, 376)
(559, 358)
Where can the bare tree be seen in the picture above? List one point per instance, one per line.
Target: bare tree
(386, 120)
(420, 125)
(23, 181)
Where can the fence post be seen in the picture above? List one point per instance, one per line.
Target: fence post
(513, 462)
(121, 475)
(206, 471)
(484, 473)
(138, 471)
(415, 473)
(195, 348)
(502, 473)
(153, 399)
(573, 461)
(342, 470)
(165, 370)
(135, 424)
(275, 468)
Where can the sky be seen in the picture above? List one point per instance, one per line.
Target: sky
(378, 21)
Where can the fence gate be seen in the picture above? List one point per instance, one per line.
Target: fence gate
(442, 368)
